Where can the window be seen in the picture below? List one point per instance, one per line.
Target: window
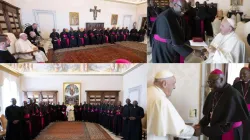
(234, 72)
(9, 90)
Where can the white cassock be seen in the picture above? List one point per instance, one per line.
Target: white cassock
(71, 115)
(230, 49)
(26, 46)
(163, 120)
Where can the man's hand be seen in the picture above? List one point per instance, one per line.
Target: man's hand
(197, 53)
(197, 128)
(211, 49)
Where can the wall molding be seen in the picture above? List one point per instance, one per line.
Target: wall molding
(137, 88)
(37, 12)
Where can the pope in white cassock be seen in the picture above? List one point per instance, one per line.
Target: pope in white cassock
(70, 112)
(23, 45)
(226, 47)
(163, 120)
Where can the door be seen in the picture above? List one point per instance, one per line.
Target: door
(127, 21)
(46, 24)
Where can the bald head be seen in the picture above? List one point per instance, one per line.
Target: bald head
(227, 26)
(245, 74)
(179, 6)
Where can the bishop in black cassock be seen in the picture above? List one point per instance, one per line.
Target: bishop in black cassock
(224, 110)
(125, 117)
(55, 40)
(14, 116)
(243, 86)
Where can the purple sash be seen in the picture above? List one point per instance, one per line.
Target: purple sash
(230, 135)
(248, 106)
(152, 19)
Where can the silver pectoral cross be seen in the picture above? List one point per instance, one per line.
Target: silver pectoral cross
(95, 12)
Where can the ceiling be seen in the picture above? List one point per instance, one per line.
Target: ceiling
(129, 1)
(78, 68)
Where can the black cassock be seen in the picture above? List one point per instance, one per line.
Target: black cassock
(104, 37)
(135, 126)
(133, 35)
(59, 115)
(244, 89)
(85, 112)
(118, 35)
(64, 40)
(125, 121)
(199, 22)
(98, 36)
(228, 109)
(126, 33)
(13, 130)
(80, 38)
(35, 120)
(153, 12)
(122, 36)
(142, 33)
(107, 35)
(170, 35)
(6, 57)
(112, 36)
(55, 40)
(118, 120)
(106, 119)
(86, 38)
(111, 118)
(80, 114)
(73, 39)
(92, 37)
(64, 116)
(76, 112)
(26, 123)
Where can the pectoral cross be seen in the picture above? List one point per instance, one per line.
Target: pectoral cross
(95, 12)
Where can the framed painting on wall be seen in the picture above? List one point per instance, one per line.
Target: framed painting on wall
(73, 18)
(71, 93)
(114, 19)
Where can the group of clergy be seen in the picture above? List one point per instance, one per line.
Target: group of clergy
(170, 38)
(82, 37)
(27, 121)
(225, 111)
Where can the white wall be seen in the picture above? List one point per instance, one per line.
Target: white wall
(186, 95)
(63, 7)
(135, 78)
(5, 75)
(51, 82)
(225, 5)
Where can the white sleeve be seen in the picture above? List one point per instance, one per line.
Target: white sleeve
(187, 133)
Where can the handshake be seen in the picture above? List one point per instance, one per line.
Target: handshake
(197, 129)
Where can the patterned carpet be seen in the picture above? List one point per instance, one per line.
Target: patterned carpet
(73, 131)
(106, 53)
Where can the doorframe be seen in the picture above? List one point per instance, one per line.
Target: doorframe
(137, 88)
(130, 16)
(37, 12)
(140, 20)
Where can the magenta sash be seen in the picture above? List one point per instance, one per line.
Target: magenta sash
(118, 113)
(58, 42)
(248, 106)
(27, 116)
(202, 27)
(230, 135)
(107, 39)
(152, 19)
(42, 119)
(91, 34)
(73, 37)
(82, 40)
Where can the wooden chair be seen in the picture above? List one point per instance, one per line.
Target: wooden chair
(4, 126)
(144, 126)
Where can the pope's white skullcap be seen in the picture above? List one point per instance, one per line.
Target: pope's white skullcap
(231, 22)
(164, 74)
(21, 34)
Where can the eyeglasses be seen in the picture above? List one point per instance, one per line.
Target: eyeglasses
(212, 81)
(178, 5)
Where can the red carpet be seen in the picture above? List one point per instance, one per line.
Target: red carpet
(73, 131)
(106, 53)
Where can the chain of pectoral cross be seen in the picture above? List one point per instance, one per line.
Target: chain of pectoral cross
(215, 103)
